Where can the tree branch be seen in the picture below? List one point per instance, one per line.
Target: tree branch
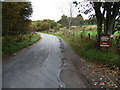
(115, 11)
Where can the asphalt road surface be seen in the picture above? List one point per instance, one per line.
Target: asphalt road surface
(41, 65)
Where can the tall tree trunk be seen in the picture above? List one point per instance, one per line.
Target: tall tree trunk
(99, 29)
(99, 17)
(110, 17)
(69, 23)
(109, 27)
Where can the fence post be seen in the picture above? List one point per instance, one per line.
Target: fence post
(73, 33)
(81, 35)
(88, 35)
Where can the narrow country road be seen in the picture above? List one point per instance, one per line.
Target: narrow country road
(40, 65)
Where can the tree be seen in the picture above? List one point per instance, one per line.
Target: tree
(69, 11)
(106, 13)
(52, 23)
(92, 20)
(63, 21)
(15, 17)
(78, 20)
(75, 21)
(44, 26)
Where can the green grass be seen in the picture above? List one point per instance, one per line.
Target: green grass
(14, 43)
(117, 33)
(86, 32)
(88, 49)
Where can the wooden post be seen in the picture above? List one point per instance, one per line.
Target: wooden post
(88, 35)
(72, 33)
(81, 36)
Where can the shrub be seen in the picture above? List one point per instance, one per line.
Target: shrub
(44, 26)
(14, 43)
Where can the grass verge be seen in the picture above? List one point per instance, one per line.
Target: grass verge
(15, 43)
(89, 50)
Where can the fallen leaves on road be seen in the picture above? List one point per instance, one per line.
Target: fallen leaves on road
(100, 75)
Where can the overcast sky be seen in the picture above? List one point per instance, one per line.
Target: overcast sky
(48, 9)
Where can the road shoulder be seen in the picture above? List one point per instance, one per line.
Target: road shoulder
(79, 73)
(70, 74)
